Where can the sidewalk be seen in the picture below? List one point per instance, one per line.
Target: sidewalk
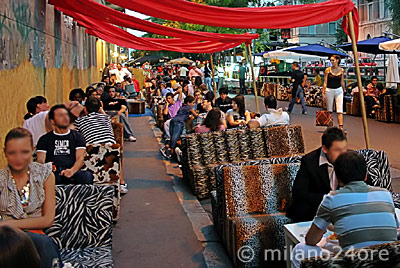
(153, 229)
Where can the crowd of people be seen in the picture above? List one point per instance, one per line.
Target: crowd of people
(57, 137)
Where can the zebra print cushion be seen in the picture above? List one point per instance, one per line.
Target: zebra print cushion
(99, 257)
(378, 168)
(83, 216)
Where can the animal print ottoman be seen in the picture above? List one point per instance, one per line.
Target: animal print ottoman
(104, 160)
(285, 140)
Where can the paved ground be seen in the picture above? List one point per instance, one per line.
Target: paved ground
(153, 230)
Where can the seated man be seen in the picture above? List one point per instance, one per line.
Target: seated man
(95, 126)
(117, 107)
(361, 215)
(224, 103)
(172, 106)
(38, 124)
(65, 148)
(272, 117)
(316, 176)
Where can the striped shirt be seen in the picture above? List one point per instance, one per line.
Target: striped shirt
(11, 207)
(96, 128)
(361, 215)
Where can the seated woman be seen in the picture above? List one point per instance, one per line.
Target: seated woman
(27, 194)
(238, 115)
(17, 249)
(212, 122)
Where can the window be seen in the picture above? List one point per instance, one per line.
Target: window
(370, 11)
(382, 12)
(311, 29)
(332, 28)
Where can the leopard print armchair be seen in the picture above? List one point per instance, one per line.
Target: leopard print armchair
(104, 161)
(82, 227)
(256, 198)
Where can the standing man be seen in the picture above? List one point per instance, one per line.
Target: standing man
(183, 72)
(120, 73)
(297, 79)
(242, 79)
(221, 73)
(65, 148)
(195, 71)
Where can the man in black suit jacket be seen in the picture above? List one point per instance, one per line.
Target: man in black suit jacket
(316, 176)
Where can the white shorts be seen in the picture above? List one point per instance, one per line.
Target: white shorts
(334, 95)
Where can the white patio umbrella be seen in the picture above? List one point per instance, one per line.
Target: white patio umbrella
(392, 75)
(283, 54)
(393, 45)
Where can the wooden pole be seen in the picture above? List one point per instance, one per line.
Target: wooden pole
(360, 88)
(254, 78)
(213, 78)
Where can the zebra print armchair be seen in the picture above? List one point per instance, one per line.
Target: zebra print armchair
(82, 227)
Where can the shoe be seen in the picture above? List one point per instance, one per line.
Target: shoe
(124, 188)
(132, 139)
(165, 152)
(304, 113)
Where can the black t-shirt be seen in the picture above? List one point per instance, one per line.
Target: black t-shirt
(298, 77)
(113, 104)
(61, 148)
(224, 105)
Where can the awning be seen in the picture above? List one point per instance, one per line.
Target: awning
(393, 45)
(286, 54)
(317, 50)
(368, 46)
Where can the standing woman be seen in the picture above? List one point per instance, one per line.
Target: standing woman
(333, 88)
(238, 115)
(27, 194)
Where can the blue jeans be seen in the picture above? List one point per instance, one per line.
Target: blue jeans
(175, 130)
(207, 81)
(300, 94)
(46, 248)
(242, 85)
(80, 177)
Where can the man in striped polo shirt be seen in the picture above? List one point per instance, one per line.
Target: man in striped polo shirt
(361, 215)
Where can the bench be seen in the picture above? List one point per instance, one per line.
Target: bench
(202, 152)
(82, 227)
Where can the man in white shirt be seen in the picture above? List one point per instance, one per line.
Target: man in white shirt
(183, 71)
(120, 73)
(273, 116)
(39, 124)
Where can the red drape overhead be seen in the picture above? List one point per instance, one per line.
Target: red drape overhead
(262, 17)
(122, 38)
(94, 10)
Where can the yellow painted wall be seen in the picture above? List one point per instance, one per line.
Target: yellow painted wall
(42, 52)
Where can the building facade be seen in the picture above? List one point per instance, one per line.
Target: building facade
(375, 18)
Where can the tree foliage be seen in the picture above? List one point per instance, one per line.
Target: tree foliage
(394, 8)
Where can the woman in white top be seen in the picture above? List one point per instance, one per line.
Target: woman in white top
(333, 88)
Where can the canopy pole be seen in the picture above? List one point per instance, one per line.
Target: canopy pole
(213, 77)
(254, 79)
(360, 88)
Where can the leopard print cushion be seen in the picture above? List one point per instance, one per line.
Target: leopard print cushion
(118, 130)
(350, 259)
(284, 140)
(259, 232)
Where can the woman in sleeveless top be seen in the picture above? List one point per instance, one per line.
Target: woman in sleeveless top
(333, 88)
(27, 194)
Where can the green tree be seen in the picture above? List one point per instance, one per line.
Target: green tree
(394, 9)
(340, 35)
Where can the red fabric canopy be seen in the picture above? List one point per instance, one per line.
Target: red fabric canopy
(262, 17)
(94, 10)
(122, 38)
